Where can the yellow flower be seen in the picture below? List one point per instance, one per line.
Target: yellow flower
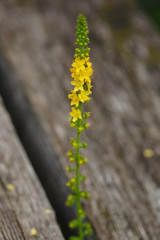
(78, 85)
(83, 96)
(82, 69)
(76, 114)
(74, 98)
(78, 65)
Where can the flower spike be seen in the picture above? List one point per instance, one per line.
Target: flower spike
(81, 72)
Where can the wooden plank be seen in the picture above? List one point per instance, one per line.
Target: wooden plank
(41, 154)
(124, 184)
(23, 204)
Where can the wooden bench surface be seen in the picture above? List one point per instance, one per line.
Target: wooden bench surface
(25, 212)
(123, 181)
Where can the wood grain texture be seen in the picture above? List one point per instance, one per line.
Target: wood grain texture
(37, 39)
(39, 149)
(22, 208)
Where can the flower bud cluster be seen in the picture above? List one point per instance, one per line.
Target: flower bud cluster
(82, 38)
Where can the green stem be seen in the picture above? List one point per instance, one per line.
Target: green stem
(80, 229)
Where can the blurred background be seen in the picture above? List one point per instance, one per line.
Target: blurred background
(36, 51)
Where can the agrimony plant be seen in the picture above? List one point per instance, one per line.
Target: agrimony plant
(81, 73)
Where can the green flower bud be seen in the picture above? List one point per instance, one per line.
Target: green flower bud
(80, 129)
(70, 153)
(87, 225)
(72, 159)
(88, 232)
(73, 142)
(77, 50)
(73, 125)
(83, 145)
(73, 224)
(82, 178)
(74, 238)
(70, 200)
(86, 125)
(82, 213)
(84, 194)
(86, 115)
(69, 169)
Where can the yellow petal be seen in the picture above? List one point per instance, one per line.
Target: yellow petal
(33, 231)
(48, 211)
(148, 153)
(10, 187)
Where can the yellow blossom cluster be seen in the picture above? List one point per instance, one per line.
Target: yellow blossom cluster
(81, 72)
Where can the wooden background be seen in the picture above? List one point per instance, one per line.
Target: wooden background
(37, 47)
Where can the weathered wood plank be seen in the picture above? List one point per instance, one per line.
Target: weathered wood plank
(23, 203)
(41, 154)
(124, 185)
